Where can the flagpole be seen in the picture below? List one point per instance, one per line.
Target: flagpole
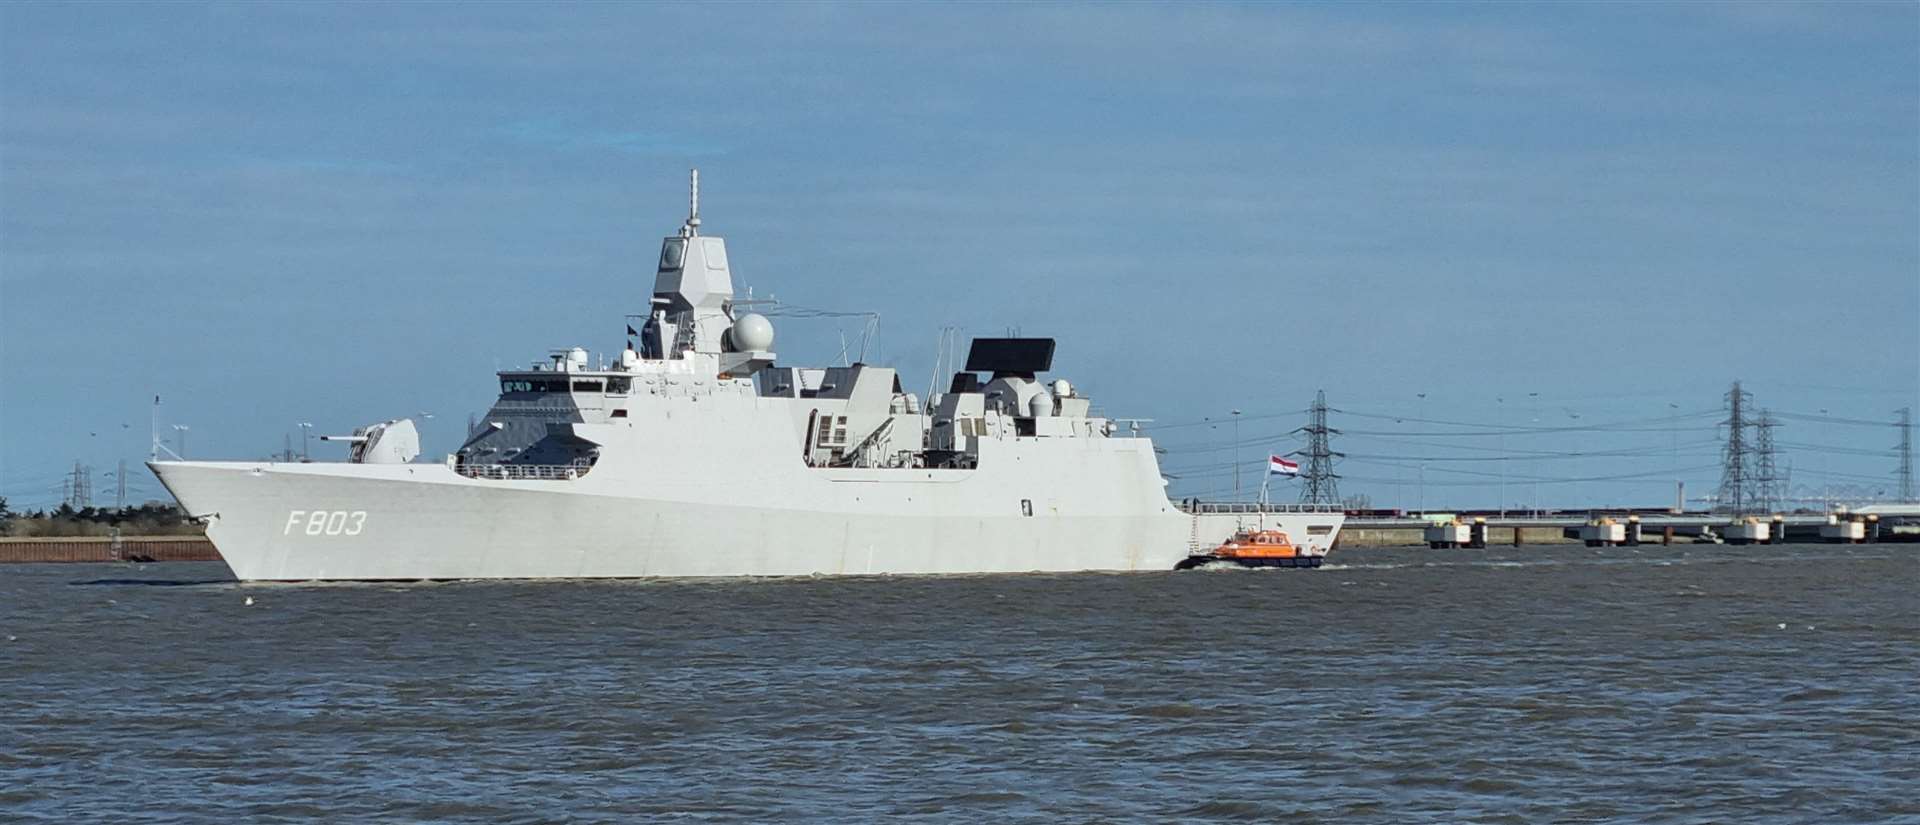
(1266, 478)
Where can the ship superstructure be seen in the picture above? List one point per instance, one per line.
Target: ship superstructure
(696, 453)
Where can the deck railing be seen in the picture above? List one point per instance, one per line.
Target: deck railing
(1193, 506)
(524, 472)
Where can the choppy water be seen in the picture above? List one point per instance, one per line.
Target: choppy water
(1684, 684)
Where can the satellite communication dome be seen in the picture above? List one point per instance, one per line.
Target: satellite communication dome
(1040, 405)
(752, 332)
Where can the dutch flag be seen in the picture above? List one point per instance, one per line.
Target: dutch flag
(1280, 466)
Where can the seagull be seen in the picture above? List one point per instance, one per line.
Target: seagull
(249, 601)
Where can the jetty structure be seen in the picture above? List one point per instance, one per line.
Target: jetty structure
(696, 452)
(1631, 527)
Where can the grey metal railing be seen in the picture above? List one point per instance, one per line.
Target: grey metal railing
(1193, 506)
(524, 472)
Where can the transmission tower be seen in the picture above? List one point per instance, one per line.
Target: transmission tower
(1905, 423)
(120, 486)
(1766, 492)
(1323, 484)
(1736, 457)
(80, 488)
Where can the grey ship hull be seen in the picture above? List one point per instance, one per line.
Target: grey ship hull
(294, 522)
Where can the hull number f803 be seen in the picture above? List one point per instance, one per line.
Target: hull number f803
(325, 522)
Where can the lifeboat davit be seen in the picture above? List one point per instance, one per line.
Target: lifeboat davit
(1256, 548)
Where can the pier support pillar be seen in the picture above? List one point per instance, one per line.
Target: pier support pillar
(1477, 534)
(1516, 536)
(1666, 536)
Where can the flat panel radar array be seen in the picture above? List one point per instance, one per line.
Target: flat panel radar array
(1010, 356)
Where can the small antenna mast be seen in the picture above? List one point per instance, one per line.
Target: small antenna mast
(693, 205)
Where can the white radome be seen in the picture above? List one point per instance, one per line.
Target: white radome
(752, 332)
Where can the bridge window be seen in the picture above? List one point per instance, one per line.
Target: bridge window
(587, 386)
(533, 385)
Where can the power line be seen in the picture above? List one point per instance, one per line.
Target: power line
(1213, 420)
(1652, 474)
(1829, 448)
(1508, 429)
(1831, 419)
(1626, 452)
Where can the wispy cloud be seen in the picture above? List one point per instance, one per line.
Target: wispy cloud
(570, 137)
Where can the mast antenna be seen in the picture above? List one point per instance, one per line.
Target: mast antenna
(693, 204)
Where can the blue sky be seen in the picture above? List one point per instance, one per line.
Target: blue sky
(273, 213)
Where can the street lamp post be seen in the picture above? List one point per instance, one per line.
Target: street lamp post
(1400, 481)
(1579, 486)
(306, 443)
(1423, 463)
(1236, 455)
(1826, 481)
(180, 439)
(1674, 458)
(1213, 429)
(1536, 459)
(1502, 402)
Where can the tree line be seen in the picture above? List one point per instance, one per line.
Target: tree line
(150, 519)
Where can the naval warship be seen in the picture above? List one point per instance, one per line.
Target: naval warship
(696, 452)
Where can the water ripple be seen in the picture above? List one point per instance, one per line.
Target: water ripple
(1685, 684)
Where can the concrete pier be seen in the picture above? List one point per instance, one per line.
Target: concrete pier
(1844, 530)
(1624, 528)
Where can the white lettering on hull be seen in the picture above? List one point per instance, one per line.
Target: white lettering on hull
(325, 522)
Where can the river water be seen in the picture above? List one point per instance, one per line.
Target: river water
(1681, 684)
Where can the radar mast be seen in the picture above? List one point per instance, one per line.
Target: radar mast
(692, 227)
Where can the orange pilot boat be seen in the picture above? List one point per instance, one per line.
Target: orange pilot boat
(1256, 548)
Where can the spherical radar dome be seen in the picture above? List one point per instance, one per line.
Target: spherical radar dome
(752, 332)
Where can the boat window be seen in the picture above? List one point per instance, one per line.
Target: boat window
(672, 252)
(586, 386)
(619, 386)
